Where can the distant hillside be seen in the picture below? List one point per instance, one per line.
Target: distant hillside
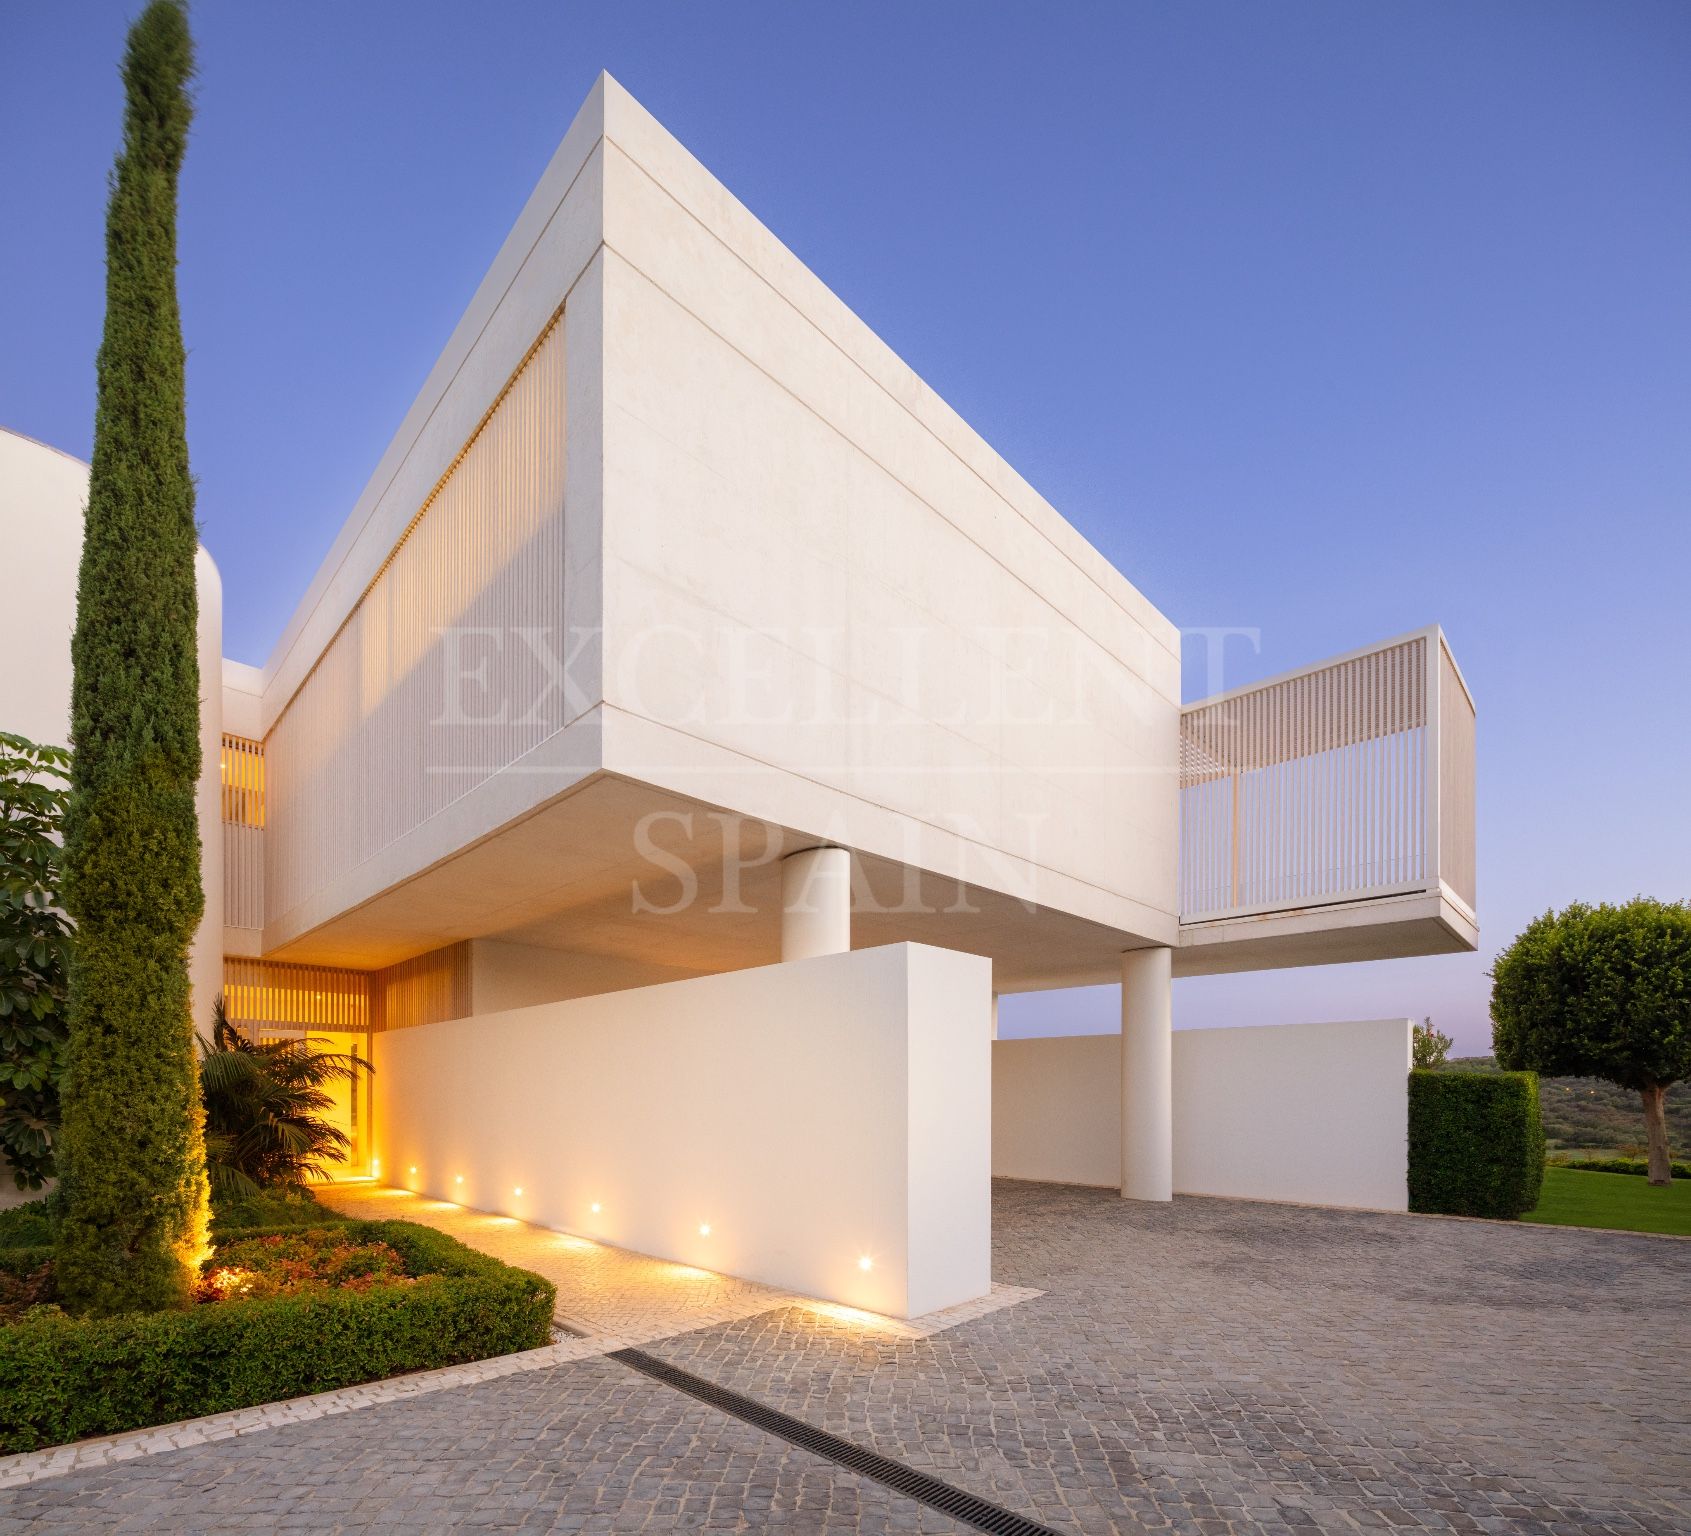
(1587, 1113)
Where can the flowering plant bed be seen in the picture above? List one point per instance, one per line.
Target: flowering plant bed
(282, 1312)
(294, 1263)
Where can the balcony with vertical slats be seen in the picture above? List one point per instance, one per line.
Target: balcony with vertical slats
(1328, 814)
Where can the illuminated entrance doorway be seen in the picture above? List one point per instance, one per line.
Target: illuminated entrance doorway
(271, 1000)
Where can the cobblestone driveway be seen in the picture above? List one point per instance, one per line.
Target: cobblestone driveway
(1208, 1367)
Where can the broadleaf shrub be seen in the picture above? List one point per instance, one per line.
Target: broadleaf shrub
(64, 1378)
(35, 939)
(1476, 1143)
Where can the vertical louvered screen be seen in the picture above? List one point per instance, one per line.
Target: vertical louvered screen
(243, 832)
(370, 747)
(278, 995)
(1308, 790)
(425, 990)
(1456, 782)
(282, 995)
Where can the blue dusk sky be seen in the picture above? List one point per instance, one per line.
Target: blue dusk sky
(1321, 320)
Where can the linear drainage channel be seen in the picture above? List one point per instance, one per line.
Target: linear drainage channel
(955, 1502)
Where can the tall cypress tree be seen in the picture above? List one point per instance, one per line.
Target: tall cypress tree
(131, 1154)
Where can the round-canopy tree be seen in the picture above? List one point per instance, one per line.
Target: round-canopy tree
(131, 1152)
(1602, 992)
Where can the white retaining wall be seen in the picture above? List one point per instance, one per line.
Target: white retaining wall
(810, 1114)
(1313, 1113)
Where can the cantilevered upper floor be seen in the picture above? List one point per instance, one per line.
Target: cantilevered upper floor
(674, 561)
(674, 567)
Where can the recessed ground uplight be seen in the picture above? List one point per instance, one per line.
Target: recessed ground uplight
(704, 1229)
(866, 1263)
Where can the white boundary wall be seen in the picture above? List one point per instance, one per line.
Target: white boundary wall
(810, 1114)
(1313, 1113)
(1056, 1109)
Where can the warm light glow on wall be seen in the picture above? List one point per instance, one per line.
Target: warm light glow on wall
(704, 1229)
(596, 1207)
(285, 996)
(518, 1190)
(243, 781)
(422, 990)
(866, 1263)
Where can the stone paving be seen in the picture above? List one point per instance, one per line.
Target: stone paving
(585, 1447)
(108, 1450)
(608, 1298)
(601, 1289)
(1216, 1366)
(1211, 1367)
(618, 1297)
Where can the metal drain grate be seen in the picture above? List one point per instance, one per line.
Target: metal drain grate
(893, 1474)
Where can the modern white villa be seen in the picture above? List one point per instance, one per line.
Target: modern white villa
(693, 731)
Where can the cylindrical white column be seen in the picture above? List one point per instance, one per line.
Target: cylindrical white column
(1147, 1082)
(815, 903)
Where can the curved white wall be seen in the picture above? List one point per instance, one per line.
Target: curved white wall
(43, 493)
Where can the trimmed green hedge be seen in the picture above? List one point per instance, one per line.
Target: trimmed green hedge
(64, 1378)
(1476, 1143)
(24, 1261)
(29, 1225)
(271, 1208)
(1617, 1165)
(26, 1237)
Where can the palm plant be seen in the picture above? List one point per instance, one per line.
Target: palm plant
(264, 1102)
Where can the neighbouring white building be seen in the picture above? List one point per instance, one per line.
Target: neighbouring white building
(693, 729)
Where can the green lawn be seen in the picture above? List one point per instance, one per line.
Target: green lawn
(1625, 1202)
